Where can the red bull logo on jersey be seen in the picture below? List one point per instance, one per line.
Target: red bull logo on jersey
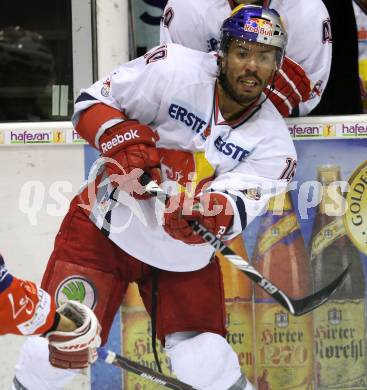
(259, 26)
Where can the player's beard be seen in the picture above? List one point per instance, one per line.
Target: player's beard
(229, 89)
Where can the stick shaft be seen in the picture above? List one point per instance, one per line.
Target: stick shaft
(138, 369)
(294, 306)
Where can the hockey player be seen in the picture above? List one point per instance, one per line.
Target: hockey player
(298, 87)
(201, 121)
(26, 309)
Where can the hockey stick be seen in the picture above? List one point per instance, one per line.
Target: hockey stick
(296, 307)
(138, 369)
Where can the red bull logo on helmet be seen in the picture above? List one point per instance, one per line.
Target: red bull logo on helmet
(259, 26)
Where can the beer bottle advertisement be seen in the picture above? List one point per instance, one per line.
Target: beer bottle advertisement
(284, 343)
(239, 309)
(339, 324)
(137, 341)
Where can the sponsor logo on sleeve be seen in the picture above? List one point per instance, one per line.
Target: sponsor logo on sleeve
(39, 318)
(106, 88)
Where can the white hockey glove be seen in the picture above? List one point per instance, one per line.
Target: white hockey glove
(78, 348)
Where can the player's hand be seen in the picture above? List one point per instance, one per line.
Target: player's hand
(211, 209)
(75, 349)
(131, 151)
(291, 86)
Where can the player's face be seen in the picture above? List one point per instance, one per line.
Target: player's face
(246, 70)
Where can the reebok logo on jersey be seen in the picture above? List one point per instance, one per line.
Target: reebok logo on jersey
(230, 149)
(119, 139)
(183, 115)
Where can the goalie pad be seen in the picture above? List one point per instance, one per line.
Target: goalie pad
(206, 361)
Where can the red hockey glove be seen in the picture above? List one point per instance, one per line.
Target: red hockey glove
(212, 210)
(78, 348)
(130, 147)
(291, 86)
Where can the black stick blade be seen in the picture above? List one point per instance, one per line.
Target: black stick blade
(307, 304)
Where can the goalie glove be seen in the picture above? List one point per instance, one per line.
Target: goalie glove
(131, 150)
(291, 86)
(211, 209)
(78, 348)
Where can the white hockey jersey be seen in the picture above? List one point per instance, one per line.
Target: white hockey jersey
(173, 90)
(196, 24)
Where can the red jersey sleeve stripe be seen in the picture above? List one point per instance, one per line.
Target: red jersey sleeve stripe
(91, 120)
